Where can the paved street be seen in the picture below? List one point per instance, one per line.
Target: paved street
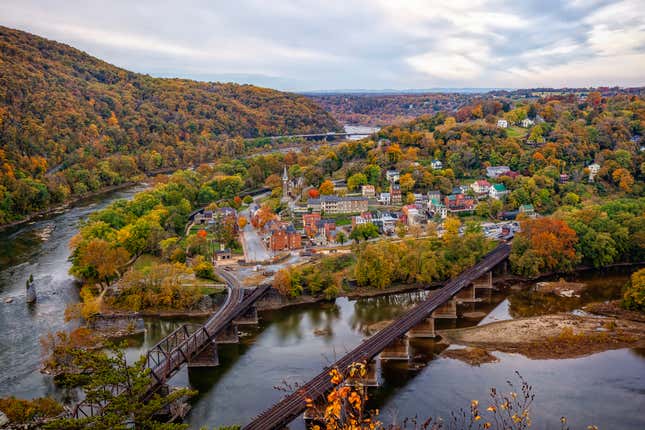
(254, 249)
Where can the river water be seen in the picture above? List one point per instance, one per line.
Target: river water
(291, 345)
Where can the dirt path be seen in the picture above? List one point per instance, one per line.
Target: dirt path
(551, 336)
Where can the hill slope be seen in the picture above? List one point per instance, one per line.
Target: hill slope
(71, 123)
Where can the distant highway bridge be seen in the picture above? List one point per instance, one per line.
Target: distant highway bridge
(389, 342)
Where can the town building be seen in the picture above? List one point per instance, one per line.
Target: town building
(527, 210)
(436, 207)
(338, 205)
(436, 165)
(285, 238)
(395, 194)
(496, 171)
(481, 186)
(497, 191)
(502, 123)
(593, 171)
(412, 213)
(310, 222)
(392, 175)
(364, 218)
(434, 194)
(456, 203)
(564, 178)
(368, 191)
(384, 199)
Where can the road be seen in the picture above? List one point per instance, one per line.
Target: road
(254, 249)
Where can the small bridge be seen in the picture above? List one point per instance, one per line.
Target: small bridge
(390, 342)
(320, 136)
(192, 344)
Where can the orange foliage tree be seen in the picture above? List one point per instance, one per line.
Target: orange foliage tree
(544, 245)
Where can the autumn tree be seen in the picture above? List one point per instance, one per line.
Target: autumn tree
(99, 262)
(407, 182)
(326, 188)
(544, 245)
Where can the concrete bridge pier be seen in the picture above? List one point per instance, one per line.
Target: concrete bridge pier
(467, 295)
(484, 281)
(446, 311)
(250, 317)
(228, 335)
(424, 329)
(207, 358)
(399, 349)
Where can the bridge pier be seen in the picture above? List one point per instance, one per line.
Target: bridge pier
(228, 334)
(250, 317)
(484, 281)
(467, 295)
(424, 329)
(399, 349)
(207, 358)
(448, 310)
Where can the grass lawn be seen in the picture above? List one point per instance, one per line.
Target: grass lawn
(145, 261)
(516, 132)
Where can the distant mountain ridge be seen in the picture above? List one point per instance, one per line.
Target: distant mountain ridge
(71, 123)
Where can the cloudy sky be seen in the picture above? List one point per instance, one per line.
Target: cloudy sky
(351, 44)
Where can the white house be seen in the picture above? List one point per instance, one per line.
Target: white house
(526, 122)
(481, 186)
(495, 171)
(593, 171)
(497, 191)
(436, 165)
(502, 123)
(392, 175)
(384, 199)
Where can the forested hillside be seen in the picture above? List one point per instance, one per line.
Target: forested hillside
(72, 124)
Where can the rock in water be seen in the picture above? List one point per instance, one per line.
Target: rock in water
(31, 290)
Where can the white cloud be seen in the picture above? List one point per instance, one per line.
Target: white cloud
(329, 44)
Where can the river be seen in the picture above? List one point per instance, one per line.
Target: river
(606, 389)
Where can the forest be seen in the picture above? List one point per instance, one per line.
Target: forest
(71, 124)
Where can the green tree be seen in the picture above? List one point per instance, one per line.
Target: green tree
(107, 379)
(356, 180)
(364, 232)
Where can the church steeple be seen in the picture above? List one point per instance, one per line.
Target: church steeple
(285, 184)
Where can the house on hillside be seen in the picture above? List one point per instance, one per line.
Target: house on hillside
(456, 203)
(502, 123)
(436, 165)
(368, 191)
(392, 175)
(527, 210)
(395, 194)
(526, 122)
(497, 191)
(496, 171)
(481, 187)
(593, 171)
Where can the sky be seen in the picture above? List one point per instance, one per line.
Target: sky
(300, 45)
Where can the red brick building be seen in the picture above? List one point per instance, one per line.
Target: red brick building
(310, 223)
(285, 239)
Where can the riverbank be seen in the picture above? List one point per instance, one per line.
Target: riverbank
(65, 206)
(551, 336)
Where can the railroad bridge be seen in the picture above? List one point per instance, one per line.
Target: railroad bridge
(391, 343)
(194, 345)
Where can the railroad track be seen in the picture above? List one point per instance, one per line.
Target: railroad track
(285, 411)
